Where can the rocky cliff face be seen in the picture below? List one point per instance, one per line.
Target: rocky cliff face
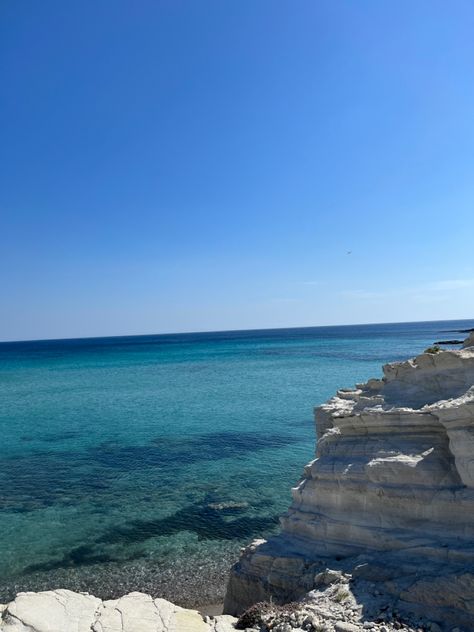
(389, 498)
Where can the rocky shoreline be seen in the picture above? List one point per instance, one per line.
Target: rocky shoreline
(333, 606)
(380, 534)
(389, 499)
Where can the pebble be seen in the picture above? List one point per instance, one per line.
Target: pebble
(343, 626)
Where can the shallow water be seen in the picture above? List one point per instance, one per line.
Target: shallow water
(144, 463)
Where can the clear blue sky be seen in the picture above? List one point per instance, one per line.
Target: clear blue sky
(181, 166)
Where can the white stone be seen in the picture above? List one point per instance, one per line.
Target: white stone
(50, 611)
(343, 626)
(66, 611)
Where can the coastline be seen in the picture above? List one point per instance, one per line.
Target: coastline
(403, 443)
(406, 397)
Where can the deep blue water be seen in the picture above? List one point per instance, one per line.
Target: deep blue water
(119, 455)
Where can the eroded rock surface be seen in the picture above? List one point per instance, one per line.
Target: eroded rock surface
(67, 611)
(389, 495)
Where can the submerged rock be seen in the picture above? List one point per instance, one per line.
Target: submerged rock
(389, 498)
(231, 505)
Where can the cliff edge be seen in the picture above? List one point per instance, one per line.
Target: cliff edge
(388, 501)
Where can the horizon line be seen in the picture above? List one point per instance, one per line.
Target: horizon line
(223, 331)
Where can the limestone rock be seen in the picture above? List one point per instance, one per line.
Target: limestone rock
(66, 611)
(342, 626)
(51, 611)
(393, 479)
(137, 612)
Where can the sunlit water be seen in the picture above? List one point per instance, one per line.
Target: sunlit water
(144, 463)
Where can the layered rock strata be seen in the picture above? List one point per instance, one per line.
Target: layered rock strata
(389, 498)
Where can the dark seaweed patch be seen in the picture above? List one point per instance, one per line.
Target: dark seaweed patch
(207, 523)
(84, 555)
(165, 451)
(223, 445)
(42, 479)
(57, 437)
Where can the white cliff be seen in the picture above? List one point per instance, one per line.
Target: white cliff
(389, 498)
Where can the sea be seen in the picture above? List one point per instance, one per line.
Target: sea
(147, 462)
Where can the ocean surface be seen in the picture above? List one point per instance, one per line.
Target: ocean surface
(146, 462)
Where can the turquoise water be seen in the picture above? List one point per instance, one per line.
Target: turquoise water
(144, 463)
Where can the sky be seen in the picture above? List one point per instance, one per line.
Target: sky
(171, 165)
